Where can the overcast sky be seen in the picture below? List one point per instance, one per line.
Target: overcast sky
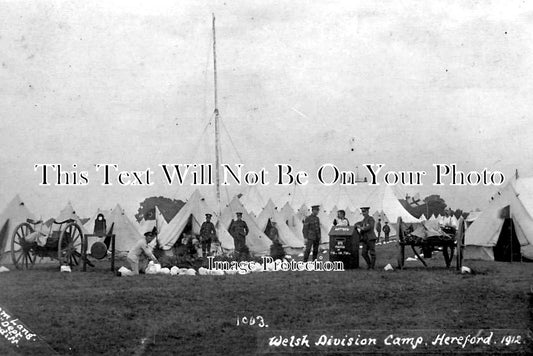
(404, 83)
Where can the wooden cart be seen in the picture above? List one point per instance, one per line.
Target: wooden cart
(64, 242)
(448, 243)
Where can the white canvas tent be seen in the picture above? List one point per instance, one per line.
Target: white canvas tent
(258, 243)
(160, 221)
(126, 233)
(14, 213)
(352, 216)
(423, 218)
(383, 199)
(68, 212)
(515, 200)
(472, 216)
(252, 200)
(302, 212)
(294, 223)
(286, 236)
(287, 212)
(193, 213)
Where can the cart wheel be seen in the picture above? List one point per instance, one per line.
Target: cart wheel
(69, 248)
(22, 253)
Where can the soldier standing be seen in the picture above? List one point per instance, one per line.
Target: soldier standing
(238, 230)
(208, 234)
(368, 237)
(378, 229)
(386, 231)
(311, 232)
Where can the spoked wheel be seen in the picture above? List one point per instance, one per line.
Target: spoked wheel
(22, 253)
(69, 249)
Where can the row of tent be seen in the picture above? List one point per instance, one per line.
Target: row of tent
(289, 221)
(258, 214)
(509, 217)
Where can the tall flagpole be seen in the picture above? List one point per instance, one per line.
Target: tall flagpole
(217, 139)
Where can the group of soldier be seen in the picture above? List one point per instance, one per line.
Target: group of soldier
(365, 227)
(238, 229)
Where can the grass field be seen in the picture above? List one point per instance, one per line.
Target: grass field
(98, 313)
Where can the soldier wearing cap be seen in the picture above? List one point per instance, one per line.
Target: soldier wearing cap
(238, 229)
(341, 219)
(311, 232)
(137, 257)
(208, 234)
(368, 237)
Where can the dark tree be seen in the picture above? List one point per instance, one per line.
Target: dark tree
(432, 204)
(168, 207)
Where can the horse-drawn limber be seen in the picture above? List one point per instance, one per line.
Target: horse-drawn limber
(64, 241)
(446, 239)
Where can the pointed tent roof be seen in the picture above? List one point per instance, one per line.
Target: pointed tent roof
(303, 212)
(293, 222)
(252, 200)
(433, 217)
(340, 198)
(286, 235)
(472, 216)
(13, 214)
(484, 232)
(68, 212)
(287, 211)
(256, 240)
(454, 221)
(194, 211)
(383, 199)
(126, 233)
(423, 218)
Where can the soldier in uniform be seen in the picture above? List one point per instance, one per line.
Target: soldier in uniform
(238, 230)
(386, 231)
(341, 219)
(311, 232)
(368, 237)
(140, 253)
(208, 234)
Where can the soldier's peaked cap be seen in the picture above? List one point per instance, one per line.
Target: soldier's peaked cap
(315, 207)
(365, 208)
(239, 213)
(208, 215)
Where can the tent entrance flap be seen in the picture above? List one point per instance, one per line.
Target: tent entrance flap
(507, 248)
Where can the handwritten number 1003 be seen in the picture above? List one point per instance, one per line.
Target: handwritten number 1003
(258, 321)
